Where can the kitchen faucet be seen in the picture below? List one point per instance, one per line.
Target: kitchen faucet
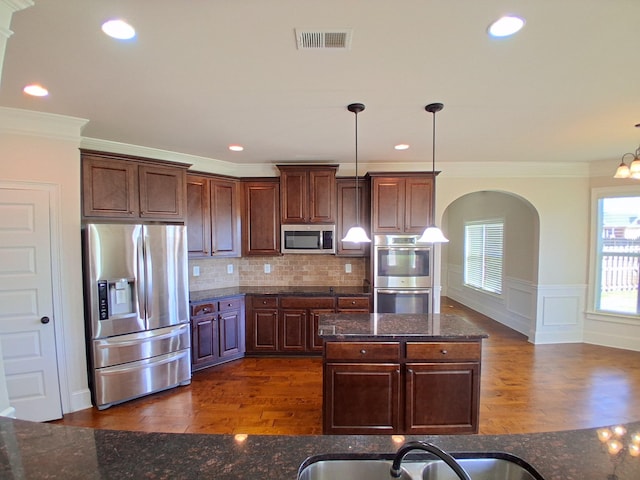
(396, 471)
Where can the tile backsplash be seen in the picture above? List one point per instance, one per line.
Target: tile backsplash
(285, 270)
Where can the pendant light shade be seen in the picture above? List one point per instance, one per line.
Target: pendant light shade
(433, 234)
(356, 234)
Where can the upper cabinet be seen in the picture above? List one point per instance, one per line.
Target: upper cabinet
(132, 188)
(308, 193)
(401, 203)
(213, 216)
(261, 217)
(346, 188)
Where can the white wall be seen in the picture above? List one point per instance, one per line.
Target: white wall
(43, 148)
(549, 306)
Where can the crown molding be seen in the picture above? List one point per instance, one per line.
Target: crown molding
(27, 122)
(198, 163)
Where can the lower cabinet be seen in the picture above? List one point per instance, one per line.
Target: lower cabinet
(217, 332)
(286, 324)
(262, 324)
(361, 388)
(298, 323)
(401, 387)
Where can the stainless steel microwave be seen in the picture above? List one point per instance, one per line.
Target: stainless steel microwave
(308, 239)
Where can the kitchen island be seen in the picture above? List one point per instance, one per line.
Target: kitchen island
(43, 451)
(400, 374)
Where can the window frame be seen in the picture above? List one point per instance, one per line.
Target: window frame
(482, 287)
(593, 310)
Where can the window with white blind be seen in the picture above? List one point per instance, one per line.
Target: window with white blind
(483, 242)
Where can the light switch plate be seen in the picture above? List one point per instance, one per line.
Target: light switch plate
(267, 268)
(347, 268)
(230, 268)
(196, 271)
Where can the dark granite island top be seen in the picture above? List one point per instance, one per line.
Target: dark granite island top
(44, 451)
(386, 326)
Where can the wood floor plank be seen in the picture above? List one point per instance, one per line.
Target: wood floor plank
(525, 388)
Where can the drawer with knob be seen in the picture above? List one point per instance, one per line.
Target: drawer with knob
(443, 351)
(229, 304)
(362, 351)
(353, 303)
(264, 302)
(203, 309)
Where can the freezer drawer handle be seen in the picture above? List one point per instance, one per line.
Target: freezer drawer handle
(44, 320)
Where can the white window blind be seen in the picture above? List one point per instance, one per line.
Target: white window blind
(483, 245)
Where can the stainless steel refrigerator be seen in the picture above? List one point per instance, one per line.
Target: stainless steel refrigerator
(136, 310)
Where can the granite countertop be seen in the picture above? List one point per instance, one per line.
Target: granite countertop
(384, 326)
(315, 291)
(44, 451)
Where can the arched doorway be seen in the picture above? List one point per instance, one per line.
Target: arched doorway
(515, 305)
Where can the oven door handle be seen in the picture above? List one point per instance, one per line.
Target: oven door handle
(402, 292)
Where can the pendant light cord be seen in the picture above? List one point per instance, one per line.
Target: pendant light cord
(433, 170)
(357, 180)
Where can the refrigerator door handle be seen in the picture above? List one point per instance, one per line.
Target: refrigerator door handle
(140, 287)
(148, 271)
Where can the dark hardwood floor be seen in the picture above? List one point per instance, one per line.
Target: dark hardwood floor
(525, 389)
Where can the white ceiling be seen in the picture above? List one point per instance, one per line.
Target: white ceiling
(201, 75)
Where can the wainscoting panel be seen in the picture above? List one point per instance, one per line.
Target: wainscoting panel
(560, 316)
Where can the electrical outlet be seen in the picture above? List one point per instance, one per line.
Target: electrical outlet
(230, 268)
(267, 268)
(347, 268)
(196, 271)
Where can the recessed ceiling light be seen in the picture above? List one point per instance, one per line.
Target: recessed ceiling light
(118, 29)
(236, 148)
(35, 90)
(401, 146)
(505, 26)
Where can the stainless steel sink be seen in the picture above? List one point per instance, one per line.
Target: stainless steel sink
(479, 466)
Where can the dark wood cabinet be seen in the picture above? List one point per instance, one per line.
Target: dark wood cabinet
(213, 216)
(217, 332)
(404, 387)
(132, 188)
(353, 304)
(261, 217)
(262, 324)
(288, 324)
(346, 217)
(203, 336)
(401, 203)
(361, 388)
(308, 193)
(298, 323)
(231, 326)
(442, 387)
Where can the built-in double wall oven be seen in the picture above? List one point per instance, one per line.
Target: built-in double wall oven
(402, 271)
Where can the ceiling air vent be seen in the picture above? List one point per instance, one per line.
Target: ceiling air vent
(323, 39)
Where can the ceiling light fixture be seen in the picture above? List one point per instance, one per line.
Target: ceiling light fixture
(356, 234)
(118, 29)
(506, 26)
(402, 146)
(433, 234)
(236, 148)
(633, 169)
(35, 90)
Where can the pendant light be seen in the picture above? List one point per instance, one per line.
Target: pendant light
(356, 234)
(433, 234)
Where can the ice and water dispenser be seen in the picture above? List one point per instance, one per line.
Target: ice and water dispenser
(116, 298)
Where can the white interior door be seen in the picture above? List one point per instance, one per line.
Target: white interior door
(26, 305)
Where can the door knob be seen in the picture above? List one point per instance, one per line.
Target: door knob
(44, 320)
